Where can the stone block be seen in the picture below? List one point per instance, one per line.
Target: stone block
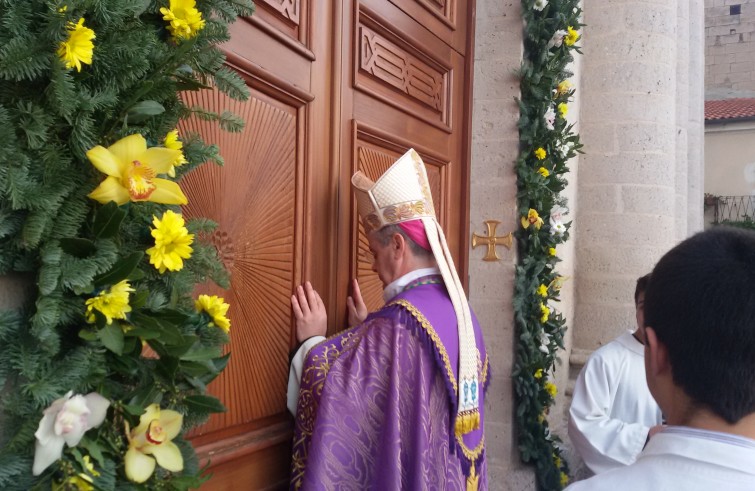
(617, 259)
(494, 119)
(646, 199)
(493, 161)
(737, 47)
(603, 197)
(642, 230)
(645, 137)
(613, 108)
(714, 50)
(721, 68)
(634, 77)
(595, 326)
(727, 58)
(627, 168)
(746, 66)
(599, 138)
(640, 47)
(494, 33)
(659, 18)
(495, 78)
(492, 280)
(499, 8)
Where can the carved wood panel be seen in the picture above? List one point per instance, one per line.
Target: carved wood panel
(287, 9)
(400, 74)
(253, 199)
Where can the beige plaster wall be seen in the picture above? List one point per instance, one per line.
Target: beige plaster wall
(730, 159)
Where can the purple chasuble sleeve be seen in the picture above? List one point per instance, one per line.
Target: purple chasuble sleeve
(376, 404)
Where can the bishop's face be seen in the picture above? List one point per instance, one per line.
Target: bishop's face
(383, 259)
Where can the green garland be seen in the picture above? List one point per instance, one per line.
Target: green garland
(110, 357)
(547, 142)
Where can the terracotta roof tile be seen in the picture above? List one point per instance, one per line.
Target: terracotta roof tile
(729, 109)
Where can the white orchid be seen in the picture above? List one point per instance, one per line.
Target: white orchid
(540, 4)
(565, 148)
(550, 117)
(556, 221)
(557, 39)
(65, 422)
(545, 340)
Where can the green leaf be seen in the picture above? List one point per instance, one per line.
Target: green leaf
(205, 404)
(120, 271)
(199, 353)
(87, 334)
(112, 338)
(108, 220)
(94, 449)
(141, 111)
(76, 247)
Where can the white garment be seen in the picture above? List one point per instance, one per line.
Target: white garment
(612, 409)
(683, 459)
(297, 362)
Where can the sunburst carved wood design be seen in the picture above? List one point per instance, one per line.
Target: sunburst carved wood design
(374, 163)
(253, 199)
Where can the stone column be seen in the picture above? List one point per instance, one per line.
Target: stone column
(627, 185)
(682, 117)
(696, 117)
(495, 142)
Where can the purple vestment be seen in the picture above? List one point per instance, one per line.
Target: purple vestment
(377, 402)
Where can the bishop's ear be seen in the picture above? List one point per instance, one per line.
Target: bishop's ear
(656, 354)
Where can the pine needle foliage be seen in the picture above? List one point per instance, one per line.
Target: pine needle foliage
(67, 248)
(547, 142)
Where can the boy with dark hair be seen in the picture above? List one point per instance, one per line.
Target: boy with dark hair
(700, 366)
(612, 414)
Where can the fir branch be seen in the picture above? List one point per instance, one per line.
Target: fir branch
(230, 83)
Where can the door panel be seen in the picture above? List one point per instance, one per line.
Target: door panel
(336, 87)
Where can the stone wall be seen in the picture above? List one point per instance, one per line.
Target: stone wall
(495, 140)
(729, 48)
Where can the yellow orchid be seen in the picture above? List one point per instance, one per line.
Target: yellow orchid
(81, 482)
(172, 141)
(151, 441)
(563, 87)
(533, 219)
(78, 48)
(131, 168)
(563, 109)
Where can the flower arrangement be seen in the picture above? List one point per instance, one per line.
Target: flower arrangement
(547, 142)
(105, 368)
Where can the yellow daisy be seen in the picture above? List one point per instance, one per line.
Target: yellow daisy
(112, 303)
(172, 242)
(216, 308)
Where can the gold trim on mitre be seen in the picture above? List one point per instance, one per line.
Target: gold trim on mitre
(401, 194)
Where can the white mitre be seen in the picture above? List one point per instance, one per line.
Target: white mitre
(402, 194)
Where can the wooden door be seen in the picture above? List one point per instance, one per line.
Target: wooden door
(336, 86)
(406, 84)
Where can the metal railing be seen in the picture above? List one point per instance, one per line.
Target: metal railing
(734, 208)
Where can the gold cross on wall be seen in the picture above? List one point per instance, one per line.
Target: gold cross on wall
(491, 241)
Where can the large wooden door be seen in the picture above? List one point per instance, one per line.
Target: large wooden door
(337, 86)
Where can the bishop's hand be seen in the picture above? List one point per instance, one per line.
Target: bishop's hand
(357, 308)
(309, 312)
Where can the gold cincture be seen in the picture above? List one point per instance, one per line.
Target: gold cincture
(491, 241)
